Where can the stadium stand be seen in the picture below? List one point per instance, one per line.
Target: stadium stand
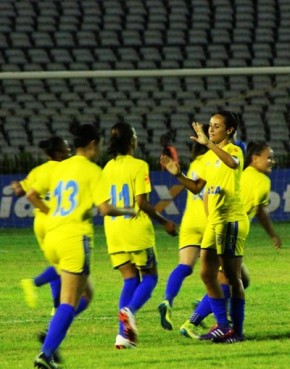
(151, 34)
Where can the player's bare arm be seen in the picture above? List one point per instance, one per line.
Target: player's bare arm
(174, 169)
(230, 161)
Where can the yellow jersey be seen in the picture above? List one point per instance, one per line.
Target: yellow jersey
(193, 221)
(38, 172)
(255, 190)
(75, 187)
(223, 186)
(128, 177)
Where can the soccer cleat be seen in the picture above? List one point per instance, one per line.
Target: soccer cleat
(191, 330)
(41, 336)
(30, 294)
(215, 332)
(229, 337)
(128, 319)
(165, 311)
(43, 362)
(123, 343)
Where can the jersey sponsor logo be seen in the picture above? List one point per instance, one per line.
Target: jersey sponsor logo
(147, 179)
(234, 150)
(214, 190)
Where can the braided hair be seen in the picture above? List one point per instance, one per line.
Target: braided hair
(120, 139)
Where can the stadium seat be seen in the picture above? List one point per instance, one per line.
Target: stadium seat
(128, 54)
(151, 35)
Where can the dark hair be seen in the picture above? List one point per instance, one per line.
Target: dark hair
(84, 134)
(199, 149)
(51, 146)
(120, 139)
(254, 148)
(230, 119)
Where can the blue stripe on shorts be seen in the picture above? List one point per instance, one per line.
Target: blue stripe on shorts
(231, 238)
(87, 252)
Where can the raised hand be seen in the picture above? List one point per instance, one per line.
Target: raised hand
(172, 167)
(201, 136)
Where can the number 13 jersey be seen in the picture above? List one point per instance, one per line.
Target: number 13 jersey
(75, 186)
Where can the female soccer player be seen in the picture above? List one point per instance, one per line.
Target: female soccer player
(56, 150)
(256, 184)
(255, 189)
(131, 241)
(74, 186)
(190, 235)
(227, 224)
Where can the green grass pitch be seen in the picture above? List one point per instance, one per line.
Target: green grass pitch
(90, 341)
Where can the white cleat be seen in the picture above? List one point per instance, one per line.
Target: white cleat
(123, 343)
(128, 319)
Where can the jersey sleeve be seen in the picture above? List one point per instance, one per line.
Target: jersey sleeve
(142, 180)
(234, 150)
(28, 181)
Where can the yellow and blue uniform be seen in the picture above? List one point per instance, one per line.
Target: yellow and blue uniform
(75, 186)
(228, 224)
(193, 221)
(128, 177)
(32, 177)
(255, 190)
(191, 231)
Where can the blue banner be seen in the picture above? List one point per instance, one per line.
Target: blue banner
(167, 195)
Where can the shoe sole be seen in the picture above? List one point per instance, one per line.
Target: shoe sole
(164, 322)
(124, 347)
(229, 340)
(42, 366)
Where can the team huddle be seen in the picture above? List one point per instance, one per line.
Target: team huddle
(213, 230)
